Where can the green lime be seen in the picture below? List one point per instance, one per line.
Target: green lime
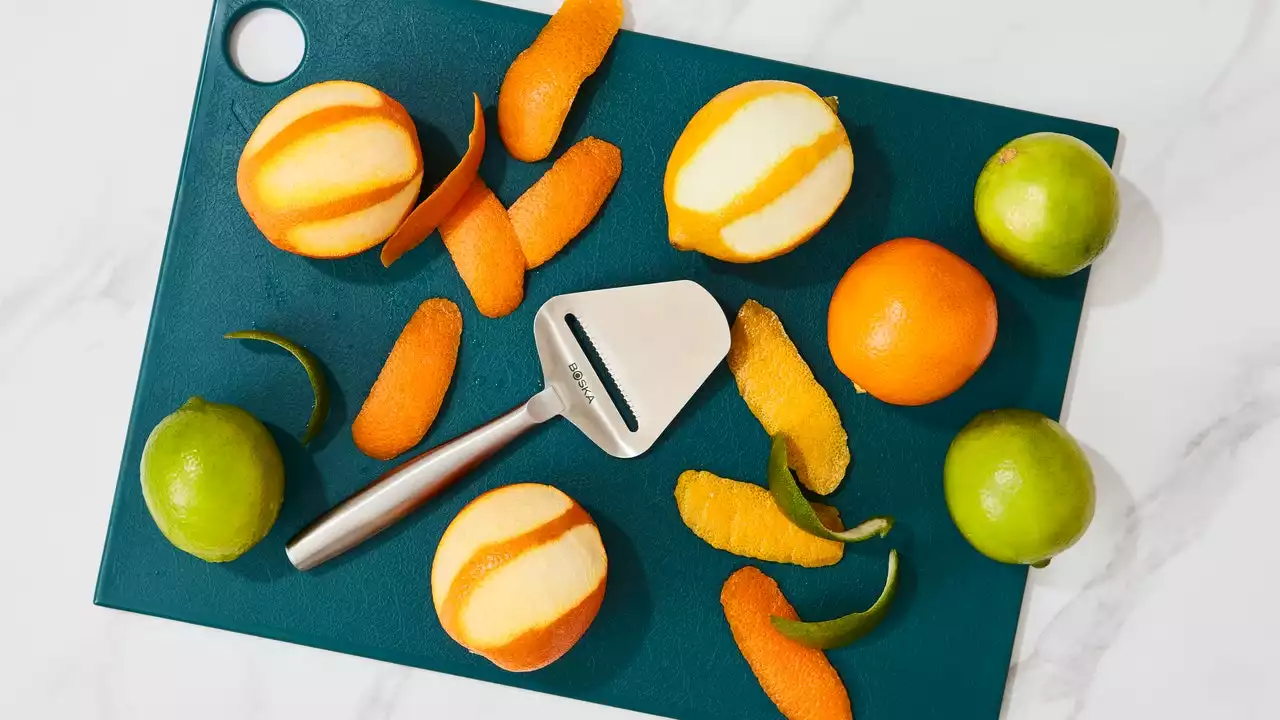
(213, 479)
(1047, 204)
(1018, 486)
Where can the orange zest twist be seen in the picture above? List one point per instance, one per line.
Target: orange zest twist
(410, 389)
(742, 518)
(427, 216)
(779, 387)
(799, 680)
(543, 81)
(565, 200)
(484, 247)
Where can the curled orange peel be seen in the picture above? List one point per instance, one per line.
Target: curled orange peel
(428, 215)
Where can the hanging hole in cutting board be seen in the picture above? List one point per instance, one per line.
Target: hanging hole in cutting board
(266, 44)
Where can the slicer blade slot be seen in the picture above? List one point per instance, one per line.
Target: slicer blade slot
(611, 387)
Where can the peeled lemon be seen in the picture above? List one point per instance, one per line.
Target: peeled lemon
(758, 171)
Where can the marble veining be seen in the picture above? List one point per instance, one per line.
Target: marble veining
(1054, 679)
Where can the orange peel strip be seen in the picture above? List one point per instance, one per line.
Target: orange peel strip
(406, 397)
(781, 391)
(542, 82)
(799, 680)
(743, 519)
(566, 199)
(484, 247)
(427, 216)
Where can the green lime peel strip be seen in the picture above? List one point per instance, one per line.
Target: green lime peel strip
(792, 502)
(315, 373)
(842, 631)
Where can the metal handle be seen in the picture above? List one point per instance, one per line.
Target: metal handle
(404, 489)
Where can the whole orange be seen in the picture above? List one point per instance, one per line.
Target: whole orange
(911, 321)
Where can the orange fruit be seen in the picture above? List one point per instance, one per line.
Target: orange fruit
(911, 321)
(758, 170)
(519, 575)
(331, 170)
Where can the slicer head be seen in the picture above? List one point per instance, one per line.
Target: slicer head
(654, 344)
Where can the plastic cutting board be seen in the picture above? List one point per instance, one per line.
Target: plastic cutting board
(660, 643)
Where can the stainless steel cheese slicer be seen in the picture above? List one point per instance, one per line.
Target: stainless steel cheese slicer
(656, 344)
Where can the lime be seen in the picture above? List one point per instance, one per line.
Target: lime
(1047, 204)
(213, 479)
(1018, 486)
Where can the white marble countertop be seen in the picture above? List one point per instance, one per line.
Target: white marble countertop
(1167, 608)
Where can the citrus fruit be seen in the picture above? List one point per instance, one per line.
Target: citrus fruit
(519, 575)
(759, 169)
(1047, 204)
(1018, 486)
(910, 322)
(212, 479)
(331, 170)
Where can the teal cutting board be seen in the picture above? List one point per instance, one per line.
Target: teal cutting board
(660, 643)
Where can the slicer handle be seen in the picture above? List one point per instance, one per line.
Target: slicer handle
(403, 489)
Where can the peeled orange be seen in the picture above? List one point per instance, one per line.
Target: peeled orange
(910, 322)
(519, 575)
(758, 171)
(331, 170)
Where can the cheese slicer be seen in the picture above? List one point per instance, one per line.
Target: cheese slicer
(618, 363)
